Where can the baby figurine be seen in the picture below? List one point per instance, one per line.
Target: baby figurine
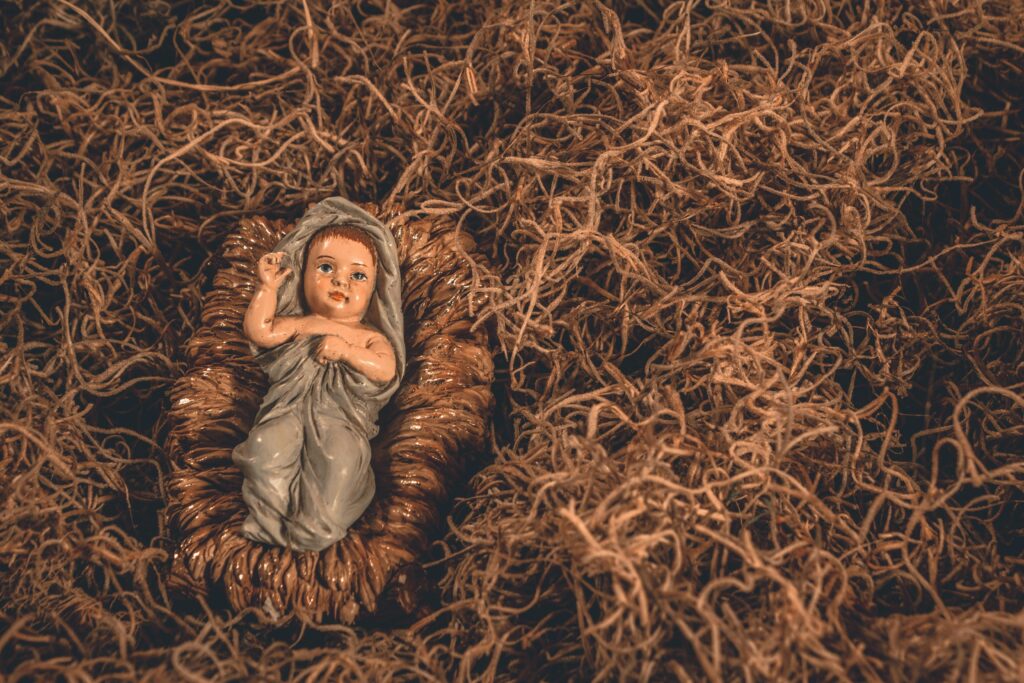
(306, 461)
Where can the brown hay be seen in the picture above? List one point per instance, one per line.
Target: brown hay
(753, 274)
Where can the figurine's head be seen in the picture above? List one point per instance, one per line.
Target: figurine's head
(340, 273)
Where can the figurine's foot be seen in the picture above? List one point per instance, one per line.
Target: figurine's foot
(306, 538)
(252, 530)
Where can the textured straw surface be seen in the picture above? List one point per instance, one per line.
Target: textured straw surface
(753, 275)
(436, 420)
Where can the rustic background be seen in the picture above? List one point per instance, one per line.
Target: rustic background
(754, 272)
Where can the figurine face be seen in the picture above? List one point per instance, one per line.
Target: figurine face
(339, 279)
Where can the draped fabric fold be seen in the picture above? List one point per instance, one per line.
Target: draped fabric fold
(306, 461)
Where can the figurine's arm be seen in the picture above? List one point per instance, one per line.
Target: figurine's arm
(260, 324)
(376, 360)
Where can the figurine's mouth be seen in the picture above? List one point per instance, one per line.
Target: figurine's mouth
(338, 296)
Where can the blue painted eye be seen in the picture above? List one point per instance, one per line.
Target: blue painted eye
(358, 276)
(325, 268)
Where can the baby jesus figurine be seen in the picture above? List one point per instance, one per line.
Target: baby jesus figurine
(306, 461)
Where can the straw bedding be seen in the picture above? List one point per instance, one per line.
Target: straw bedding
(752, 275)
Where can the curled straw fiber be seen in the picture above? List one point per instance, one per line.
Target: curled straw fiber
(753, 272)
(436, 420)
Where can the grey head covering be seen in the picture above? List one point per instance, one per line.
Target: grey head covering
(306, 461)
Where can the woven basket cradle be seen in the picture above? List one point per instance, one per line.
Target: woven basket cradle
(436, 420)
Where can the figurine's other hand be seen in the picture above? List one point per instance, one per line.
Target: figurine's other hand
(332, 348)
(269, 269)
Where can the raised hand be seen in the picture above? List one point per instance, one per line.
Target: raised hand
(269, 269)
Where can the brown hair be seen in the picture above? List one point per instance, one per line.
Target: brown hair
(349, 232)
